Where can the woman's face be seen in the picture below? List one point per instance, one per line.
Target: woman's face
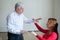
(51, 24)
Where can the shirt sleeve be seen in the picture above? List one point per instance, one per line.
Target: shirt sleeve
(40, 29)
(27, 20)
(53, 36)
(10, 24)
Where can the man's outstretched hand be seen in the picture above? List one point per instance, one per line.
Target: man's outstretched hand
(36, 20)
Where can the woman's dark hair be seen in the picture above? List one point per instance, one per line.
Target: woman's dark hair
(56, 26)
(56, 29)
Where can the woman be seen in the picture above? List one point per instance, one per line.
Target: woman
(51, 33)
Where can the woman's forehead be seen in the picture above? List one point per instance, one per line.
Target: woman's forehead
(51, 21)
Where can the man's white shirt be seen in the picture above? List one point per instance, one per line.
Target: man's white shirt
(16, 22)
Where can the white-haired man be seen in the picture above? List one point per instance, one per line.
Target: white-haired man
(15, 23)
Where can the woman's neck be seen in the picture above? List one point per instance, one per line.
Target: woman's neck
(50, 31)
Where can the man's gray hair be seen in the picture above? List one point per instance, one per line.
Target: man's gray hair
(18, 5)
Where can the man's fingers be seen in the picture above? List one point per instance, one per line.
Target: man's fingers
(38, 18)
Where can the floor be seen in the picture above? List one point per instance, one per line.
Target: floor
(27, 36)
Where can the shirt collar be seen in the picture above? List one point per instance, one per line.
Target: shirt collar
(17, 14)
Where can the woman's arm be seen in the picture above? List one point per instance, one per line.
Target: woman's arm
(39, 28)
(52, 37)
(37, 35)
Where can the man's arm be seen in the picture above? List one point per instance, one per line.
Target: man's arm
(27, 20)
(11, 24)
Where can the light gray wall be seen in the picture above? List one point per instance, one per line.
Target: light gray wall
(32, 9)
(57, 13)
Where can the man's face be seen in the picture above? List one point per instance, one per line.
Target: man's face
(20, 10)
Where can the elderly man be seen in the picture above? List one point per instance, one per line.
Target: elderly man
(15, 23)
